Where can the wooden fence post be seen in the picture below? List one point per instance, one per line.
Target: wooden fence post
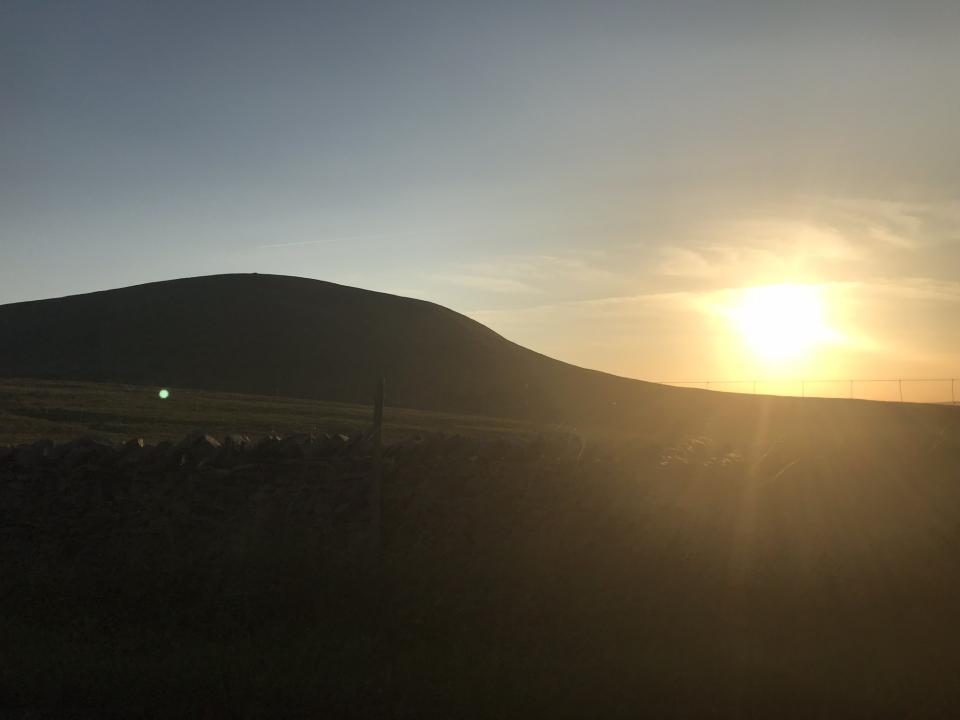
(376, 500)
(378, 416)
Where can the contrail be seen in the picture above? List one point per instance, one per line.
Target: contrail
(331, 241)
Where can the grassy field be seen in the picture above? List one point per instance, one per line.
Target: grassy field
(61, 410)
(769, 559)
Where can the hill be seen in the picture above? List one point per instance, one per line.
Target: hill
(266, 334)
(293, 337)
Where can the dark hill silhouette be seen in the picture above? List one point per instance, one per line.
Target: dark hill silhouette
(269, 334)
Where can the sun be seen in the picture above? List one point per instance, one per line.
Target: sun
(781, 322)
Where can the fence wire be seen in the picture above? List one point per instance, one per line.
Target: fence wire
(923, 390)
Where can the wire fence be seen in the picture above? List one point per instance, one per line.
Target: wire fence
(944, 391)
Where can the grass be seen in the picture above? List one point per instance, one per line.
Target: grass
(61, 410)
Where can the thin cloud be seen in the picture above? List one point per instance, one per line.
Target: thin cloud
(489, 283)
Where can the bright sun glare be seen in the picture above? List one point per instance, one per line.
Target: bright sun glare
(781, 322)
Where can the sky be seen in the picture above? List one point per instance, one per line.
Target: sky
(604, 182)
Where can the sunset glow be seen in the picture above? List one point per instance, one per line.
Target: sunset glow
(781, 322)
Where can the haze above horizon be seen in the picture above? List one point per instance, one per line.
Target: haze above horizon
(689, 189)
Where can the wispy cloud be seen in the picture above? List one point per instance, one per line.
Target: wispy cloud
(489, 283)
(556, 275)
(892, 223)
(686, 262)
(829, 238)
(928, 289)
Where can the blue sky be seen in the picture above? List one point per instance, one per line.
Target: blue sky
(589, 179)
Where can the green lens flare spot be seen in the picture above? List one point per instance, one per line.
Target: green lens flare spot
(164, 394)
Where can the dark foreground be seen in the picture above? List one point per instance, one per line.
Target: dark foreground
(795, 577)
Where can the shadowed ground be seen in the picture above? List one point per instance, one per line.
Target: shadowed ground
(810, 569)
